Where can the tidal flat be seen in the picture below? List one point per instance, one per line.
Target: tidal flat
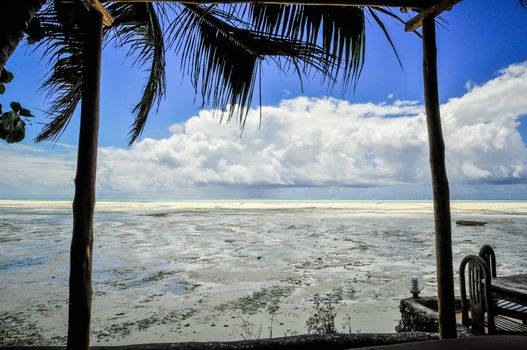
(201, 271)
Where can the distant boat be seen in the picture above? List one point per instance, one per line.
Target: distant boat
(470, 223)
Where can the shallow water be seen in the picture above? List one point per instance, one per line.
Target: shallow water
(218, 271)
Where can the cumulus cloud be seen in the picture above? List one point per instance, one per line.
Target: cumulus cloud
(330, 142)
(483, 142)
(326, 142)
(302, 142)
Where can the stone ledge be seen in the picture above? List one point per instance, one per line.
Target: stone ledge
(420, 315)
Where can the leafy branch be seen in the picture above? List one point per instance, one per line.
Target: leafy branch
(12, 126)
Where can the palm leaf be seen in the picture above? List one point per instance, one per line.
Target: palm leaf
(62, 46)
(385, 31)
(221, 48)
(137, 27)
(223, 59)
(340, 31)
(212, 56)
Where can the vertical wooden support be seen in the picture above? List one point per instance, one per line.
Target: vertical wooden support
(80, 286)
(443, 233)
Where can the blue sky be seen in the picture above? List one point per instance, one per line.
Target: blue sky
(185, 154)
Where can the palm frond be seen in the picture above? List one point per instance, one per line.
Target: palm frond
(340, 31)
(221, 48)
(137, 27)
(384, 29)
(62, 47)
(223, 59)
(215, 59)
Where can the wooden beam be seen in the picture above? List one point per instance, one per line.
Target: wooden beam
(433, 10)
(107, 19)
(417, 4)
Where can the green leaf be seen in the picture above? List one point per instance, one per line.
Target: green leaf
(9, 77)
(8, 119)
(25, 112)
(5, 124)
(17, 133)
(12, 128)
(2, 88)
(3, 131)
(15, 106)
(6, 76)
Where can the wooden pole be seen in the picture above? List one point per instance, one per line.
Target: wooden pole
(443, 234)
(80, 286)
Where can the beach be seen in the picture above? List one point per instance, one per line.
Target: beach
(230, 270)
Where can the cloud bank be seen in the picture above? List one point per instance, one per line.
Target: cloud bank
(323, 143)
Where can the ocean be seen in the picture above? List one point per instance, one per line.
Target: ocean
(230, 270)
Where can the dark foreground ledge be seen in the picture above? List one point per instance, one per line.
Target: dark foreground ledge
(483, 342)
(304, 342)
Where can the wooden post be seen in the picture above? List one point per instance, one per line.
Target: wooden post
(443, 234)
(80, 286)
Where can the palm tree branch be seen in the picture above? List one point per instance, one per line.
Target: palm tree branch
(137, 27)
(340, 31)
(63, 49)
(386, 34)
(222, 58)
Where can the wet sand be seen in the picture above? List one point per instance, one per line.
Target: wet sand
(181, 271)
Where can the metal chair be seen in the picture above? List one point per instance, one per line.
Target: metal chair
(480, 311)
(473, 309)
(502, 307)
(487, 253)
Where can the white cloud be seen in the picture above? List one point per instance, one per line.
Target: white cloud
(325, 142)
(29, 171)
(480, 129)
(302, 142)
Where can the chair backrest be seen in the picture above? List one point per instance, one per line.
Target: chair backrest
(487, 253)
(479, 299)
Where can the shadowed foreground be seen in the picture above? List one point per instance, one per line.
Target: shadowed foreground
(306, 342)
(485, 342)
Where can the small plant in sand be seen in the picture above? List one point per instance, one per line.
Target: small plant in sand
(250, 331)
(272, 308)
(323, 319)
(346, 324)
(290, 332)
